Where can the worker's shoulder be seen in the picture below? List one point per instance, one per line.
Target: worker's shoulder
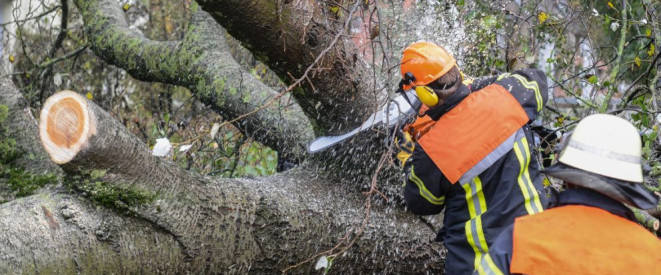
(529, 74)
(526, 79)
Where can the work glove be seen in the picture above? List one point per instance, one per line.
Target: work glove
(404, 145)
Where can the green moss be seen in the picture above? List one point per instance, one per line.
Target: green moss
(24, 183)
(122, 198)
(4, 112)
(20, 182)
(194, 7)
(246, 97)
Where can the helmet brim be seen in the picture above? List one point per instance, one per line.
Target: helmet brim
(630, 193)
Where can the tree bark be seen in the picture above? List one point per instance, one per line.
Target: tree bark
(290, 35)
(22, 127)
(219, 225)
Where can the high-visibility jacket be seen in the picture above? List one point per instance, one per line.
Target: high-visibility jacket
(586, 233)
(477, 162)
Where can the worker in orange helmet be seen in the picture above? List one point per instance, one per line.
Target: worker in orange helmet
(589, 230)
(470, 151)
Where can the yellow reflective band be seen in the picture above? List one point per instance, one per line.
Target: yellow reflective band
(480, 234)
(522, 185)
(488, 267)
(469, 199)
(532, 85)
(471, 241)
(423, 190)
(473, 227)
(480, 194)
(531, 187)
(500, 77)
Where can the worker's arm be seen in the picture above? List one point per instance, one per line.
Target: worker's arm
(423, 189)
(481, 82)
(529, 87)
(498, 260)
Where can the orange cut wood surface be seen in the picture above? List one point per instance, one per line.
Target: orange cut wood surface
(65, 124)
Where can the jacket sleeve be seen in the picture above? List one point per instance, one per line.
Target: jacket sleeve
(481, 82)
(529, 87)
(423, 190)
(498, 260)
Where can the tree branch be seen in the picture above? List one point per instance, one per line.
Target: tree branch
(289, 36)
(620, 49)
(202, 63)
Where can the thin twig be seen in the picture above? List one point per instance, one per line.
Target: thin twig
(61, 58)
(63, 29)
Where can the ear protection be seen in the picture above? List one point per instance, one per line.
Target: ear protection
(426, 94)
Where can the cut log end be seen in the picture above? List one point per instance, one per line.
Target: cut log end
(65, 125)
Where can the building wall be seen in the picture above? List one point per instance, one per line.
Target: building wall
(11, 11)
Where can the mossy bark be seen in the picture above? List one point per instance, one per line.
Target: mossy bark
(22, 127)
(25, 168)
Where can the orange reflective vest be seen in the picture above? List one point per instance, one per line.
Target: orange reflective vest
(421, 125)
(576, 239)
(457, 141)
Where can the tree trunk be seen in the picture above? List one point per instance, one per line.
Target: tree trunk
(339, 93)
(22, 127)
(219, 225)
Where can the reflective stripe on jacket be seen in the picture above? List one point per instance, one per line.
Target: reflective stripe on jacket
(588, 233)
(476, 161)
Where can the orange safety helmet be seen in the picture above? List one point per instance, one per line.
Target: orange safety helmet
(426, 61)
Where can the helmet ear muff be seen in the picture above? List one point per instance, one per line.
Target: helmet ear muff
(426, 95)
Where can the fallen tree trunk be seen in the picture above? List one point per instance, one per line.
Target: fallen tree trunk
(219, 225)
(58, 233)
(22, 127)
(25, 168)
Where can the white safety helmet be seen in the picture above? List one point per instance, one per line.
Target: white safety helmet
(604, 154)
(606, 145)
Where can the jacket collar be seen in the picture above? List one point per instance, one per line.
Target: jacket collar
(587, 197)
(437, 111)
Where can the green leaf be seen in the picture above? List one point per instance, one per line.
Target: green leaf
(646, 120)
(593, 79)
(635, 117)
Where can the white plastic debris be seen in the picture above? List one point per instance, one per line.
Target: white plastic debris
(615, 26)
(214, 130)
(162, 147)
(185, 148)
(57, 80)
(321, 263)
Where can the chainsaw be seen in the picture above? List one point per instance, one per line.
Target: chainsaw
(397, 111)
